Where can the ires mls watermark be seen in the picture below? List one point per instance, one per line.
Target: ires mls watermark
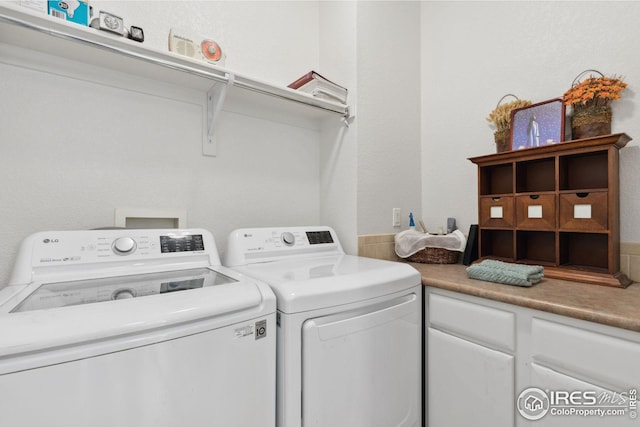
(534, 403)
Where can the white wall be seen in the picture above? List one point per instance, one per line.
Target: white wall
(276, 41)
(388, 113)
(142, 147)
(338, 145)
(475, 52)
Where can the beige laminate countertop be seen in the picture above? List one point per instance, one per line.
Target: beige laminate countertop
(616, 307)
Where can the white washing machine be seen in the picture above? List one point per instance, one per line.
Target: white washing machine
(349, 329)
(134, 328)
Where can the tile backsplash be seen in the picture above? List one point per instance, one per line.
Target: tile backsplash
(382, 246)
(630, 260)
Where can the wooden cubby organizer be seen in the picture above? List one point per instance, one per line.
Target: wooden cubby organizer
(555, 206)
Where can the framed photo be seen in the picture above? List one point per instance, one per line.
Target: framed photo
(538, 124)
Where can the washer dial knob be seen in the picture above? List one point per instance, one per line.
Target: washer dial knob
(124, 245)
(123, 294)
(288, 238)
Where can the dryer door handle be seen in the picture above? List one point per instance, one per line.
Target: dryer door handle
(330, 327)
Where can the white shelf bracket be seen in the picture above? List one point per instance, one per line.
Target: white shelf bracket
(214, 107)
(348, 118)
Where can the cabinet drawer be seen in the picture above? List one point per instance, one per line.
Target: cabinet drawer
(584, 211)
(588, 355)
(496, 212)
(487, 325)
(536, 211)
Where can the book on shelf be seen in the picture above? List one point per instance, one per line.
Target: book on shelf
(320, 87)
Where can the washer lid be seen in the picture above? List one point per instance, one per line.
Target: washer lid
(84, 328)
(90, 291)
(319, 282)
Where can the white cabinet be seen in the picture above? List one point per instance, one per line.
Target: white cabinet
(470, 374)
(483, 356)
(572, 360)
(468, 384)
(593, 356)
(549, 379)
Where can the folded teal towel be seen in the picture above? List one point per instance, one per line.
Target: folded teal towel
(506, 273)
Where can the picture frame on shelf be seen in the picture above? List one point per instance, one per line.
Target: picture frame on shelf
(538, 124)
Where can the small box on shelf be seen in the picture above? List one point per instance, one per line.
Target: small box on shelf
(37, 5)
(70, 10)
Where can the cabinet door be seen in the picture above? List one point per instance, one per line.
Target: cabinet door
(583, 353)
(468, 384)
(563, 412)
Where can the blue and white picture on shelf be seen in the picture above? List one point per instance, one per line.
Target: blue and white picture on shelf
(538, 124)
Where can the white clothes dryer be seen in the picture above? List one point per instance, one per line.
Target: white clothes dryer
(134, 328)
(349, 328)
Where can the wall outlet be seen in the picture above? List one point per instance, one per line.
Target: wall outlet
(396, 217)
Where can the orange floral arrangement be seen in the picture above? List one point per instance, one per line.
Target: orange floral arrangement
(594, 92)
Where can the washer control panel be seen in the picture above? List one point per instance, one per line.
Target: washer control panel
(130, 243)
(64, 248)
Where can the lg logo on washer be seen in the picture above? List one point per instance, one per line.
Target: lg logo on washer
(51, 241)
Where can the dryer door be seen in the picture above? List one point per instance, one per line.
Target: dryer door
(362, 368)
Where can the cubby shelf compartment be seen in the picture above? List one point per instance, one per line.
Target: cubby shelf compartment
(556, 206)
(536, 247)
(499, 243)
(535, 175)
(584, 171)
(497, 179)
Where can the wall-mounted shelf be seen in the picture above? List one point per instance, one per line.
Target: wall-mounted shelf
(25, 30)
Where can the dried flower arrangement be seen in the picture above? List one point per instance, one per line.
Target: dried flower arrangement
(594, 92)
(501, 115)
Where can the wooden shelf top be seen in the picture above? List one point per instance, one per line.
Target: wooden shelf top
(617, 140)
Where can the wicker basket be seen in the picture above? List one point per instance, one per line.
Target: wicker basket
(591, 122)
(435, 256)
(503, 140)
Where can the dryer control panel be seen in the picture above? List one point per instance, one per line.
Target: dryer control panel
(45, 253)
(251, 245)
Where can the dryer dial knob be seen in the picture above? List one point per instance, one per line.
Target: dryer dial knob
(124, 245)
(288, 238)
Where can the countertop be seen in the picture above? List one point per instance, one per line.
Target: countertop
(607, 305)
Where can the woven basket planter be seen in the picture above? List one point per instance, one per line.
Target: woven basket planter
(591, 122)
(503, 140)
